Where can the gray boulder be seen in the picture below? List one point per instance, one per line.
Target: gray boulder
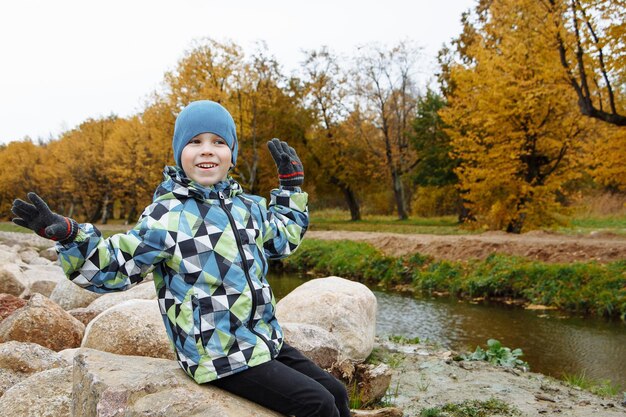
(12, 279)
(314, 342)
(70, 296)
(49, 254)
(143, 291)
(134, 327)
(28, 255)
(19, 360)
(29, 358)
(113, 385)
(344, 308)
(42, 278)
(46, 394)
(8, 254)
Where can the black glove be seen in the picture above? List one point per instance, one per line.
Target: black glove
(290, 170)
(39, 218)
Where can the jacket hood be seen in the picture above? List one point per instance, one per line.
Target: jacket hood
(176, 185)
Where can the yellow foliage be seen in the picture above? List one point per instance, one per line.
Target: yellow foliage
(605, 154)
(514, 122)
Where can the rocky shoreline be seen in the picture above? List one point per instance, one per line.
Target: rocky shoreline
(426, 376)
(76, 362)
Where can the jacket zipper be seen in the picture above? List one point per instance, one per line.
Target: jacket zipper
(246, 272)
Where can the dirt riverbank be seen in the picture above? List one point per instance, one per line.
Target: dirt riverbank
(538, 245)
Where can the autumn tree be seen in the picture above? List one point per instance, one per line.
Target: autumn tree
(590, 38)
(510, 116)
(17, 176)
(605, 156)
(264, 107)
(335, 146)
(207, 71)
(385, 84)
(434, 171)
(87, 168)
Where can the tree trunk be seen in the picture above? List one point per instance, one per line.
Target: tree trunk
(349, 195)
(96, 214)
(132, 214)
(105, 209)
(515, 225)
(353, 204)
(398, 192)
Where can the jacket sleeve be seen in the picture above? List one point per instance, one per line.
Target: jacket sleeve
(285, 222)
(116, 263)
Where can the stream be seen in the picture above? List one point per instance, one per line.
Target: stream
(553, 343)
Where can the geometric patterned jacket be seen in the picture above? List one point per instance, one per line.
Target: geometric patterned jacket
(208, 249)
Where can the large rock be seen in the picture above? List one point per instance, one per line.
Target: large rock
(46, 394)
(28, 255)
(29, 358)
(314, 342)
(344, 308)
(143, 291)
(8, 304)
(70, 296)
(49, 254)
(11, 279)
(112, 385)
(84, 315)
(8, 254)
(43, 322)
(68, 354)
(134, 327)
(372, 382)
(42, 279)
(19, 360)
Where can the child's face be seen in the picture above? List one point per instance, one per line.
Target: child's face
(206, 159)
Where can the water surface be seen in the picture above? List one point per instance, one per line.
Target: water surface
(553, 344)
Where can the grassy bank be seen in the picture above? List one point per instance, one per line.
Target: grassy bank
(332, 219)
(340, 220)
(587, 288)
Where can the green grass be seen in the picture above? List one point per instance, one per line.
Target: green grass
(12, 227)
(472, 408)
(585, 225)
(603, 388)
(334, 219)
(340, 220)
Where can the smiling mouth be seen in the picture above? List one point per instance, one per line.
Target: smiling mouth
(206, 166)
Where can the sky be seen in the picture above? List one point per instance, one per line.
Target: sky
(65, 61)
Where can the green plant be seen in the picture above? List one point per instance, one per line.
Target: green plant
(603, 388)
(403, 340)
(379, 355)
(389, 400)
(498, 355)
(354, 396)
(472, 408)
(431, 412)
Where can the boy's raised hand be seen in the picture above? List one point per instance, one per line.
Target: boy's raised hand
(39, 218)
(290, 169)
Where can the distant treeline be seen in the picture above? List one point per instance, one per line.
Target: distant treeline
(524, 119)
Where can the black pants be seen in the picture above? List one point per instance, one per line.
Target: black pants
(292, 385)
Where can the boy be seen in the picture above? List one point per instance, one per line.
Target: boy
(208, 244)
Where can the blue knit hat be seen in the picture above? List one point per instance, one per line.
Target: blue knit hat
(204, 116)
